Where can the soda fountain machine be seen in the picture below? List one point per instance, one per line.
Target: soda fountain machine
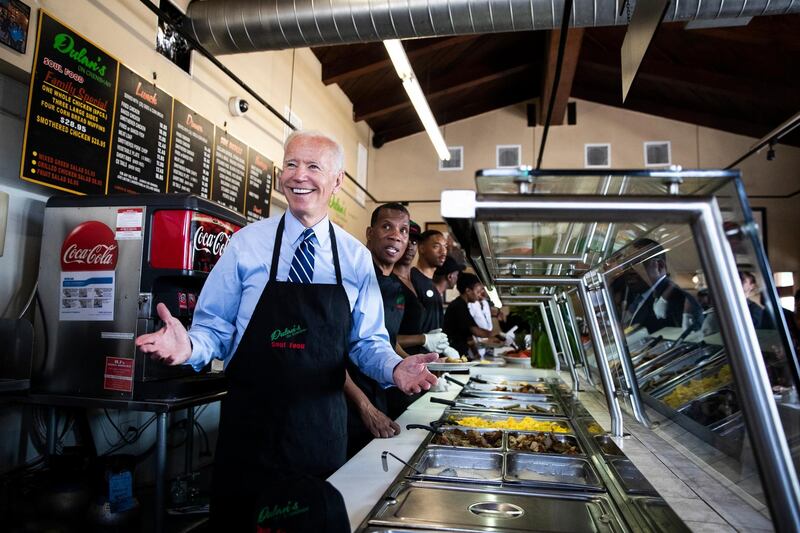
(106, 262)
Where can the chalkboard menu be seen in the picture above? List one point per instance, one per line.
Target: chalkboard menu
(141, 136)
(68, 129)
(230, 172)
(190, 152)
(259, 186)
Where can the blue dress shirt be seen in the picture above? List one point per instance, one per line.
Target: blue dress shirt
(236, 282)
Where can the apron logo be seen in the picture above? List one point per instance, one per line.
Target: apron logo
(400, 302)
(288, 333)
(292, 508)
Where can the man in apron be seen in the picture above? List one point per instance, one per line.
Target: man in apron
(286, 304)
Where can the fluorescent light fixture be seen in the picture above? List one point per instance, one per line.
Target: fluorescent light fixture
(400, 61)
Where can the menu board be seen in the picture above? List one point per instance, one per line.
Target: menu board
(259, 186)
(230, 172)
(190, 152)
(141, 136)
(70, 109)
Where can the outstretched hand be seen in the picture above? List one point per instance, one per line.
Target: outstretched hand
(170, 344)
(411, 375)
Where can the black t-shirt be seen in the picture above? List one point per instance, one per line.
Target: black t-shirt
(394, 302)
(431, 301)
(457, 324)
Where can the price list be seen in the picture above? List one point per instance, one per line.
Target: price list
(230, 161)
(190, 152)
(68, 126)
(259, 186)
(141, 136)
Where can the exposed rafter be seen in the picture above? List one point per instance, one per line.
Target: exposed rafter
(570, 63)
(354, 61)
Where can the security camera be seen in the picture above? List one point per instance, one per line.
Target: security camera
(238, 106)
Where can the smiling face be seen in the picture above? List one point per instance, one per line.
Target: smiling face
(388, 237)
(310, 177)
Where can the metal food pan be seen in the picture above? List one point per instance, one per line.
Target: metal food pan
(551, 472)
(682, 371)
(517, 406)
(608, 446)
(563, 439)
(437, 441)
(449, 464)
(451, 417)
(538, 389)
(665, 358)
(701, 409)
(507, 380)
(468, 508)
(706, 372)
(631, 478)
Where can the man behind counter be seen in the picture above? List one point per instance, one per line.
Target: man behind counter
(387, 239)
(432, 250)
(458, 322)
(284, 313)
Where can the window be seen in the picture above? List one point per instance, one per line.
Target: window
(657, 153)
(597, 155)
(456, 161)
(508, 155)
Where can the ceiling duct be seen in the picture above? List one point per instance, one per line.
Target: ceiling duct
(232, 26)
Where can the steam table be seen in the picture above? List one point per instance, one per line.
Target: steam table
(161, 408)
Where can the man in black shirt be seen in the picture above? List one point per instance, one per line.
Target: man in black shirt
(432, 249)
(367, 406)
(458, 322)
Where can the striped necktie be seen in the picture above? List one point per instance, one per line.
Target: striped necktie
(302, 270)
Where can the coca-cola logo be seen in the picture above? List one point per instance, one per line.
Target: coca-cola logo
(213, 243)
(90, 246)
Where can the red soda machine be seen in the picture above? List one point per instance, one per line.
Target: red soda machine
(106, 262)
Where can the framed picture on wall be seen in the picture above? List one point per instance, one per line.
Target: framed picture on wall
(760, 218)
(14, 20)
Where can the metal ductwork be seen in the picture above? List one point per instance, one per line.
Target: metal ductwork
(232, 26)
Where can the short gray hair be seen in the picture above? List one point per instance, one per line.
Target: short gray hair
(338, 151)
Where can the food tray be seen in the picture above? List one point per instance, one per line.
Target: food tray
(449, 464)
(552, 472)
(449, 432)
(692, 387)
(513, 422)
(631, 479)
(491, 389)
(511, 406)
(558, 439)
(607, 446)
(677, 371)
(712, 408)
(508, 380)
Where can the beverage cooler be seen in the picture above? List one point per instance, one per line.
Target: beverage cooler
(106, 262)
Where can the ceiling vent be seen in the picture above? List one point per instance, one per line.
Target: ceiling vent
(657, 154)
(597, 155)
(456, 161)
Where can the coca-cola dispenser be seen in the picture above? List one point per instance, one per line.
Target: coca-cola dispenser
(106, 262)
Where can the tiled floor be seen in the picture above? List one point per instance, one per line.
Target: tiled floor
(679, 466)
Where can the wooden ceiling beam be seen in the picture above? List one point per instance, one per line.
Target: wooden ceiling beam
(444, 87)
(349, 66)
(705, 81)
(680, 113)
(569, 64)
(511, 96)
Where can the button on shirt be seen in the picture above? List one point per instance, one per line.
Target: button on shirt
(236, 282)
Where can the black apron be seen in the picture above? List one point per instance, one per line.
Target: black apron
(285, 414)
(394, 302)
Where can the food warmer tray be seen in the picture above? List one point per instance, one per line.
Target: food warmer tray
(471, 508)
(450, 417)
(521, 405)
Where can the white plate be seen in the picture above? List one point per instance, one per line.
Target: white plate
(492, 362)
(502, 350)
(517, 360)
(451, 367)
